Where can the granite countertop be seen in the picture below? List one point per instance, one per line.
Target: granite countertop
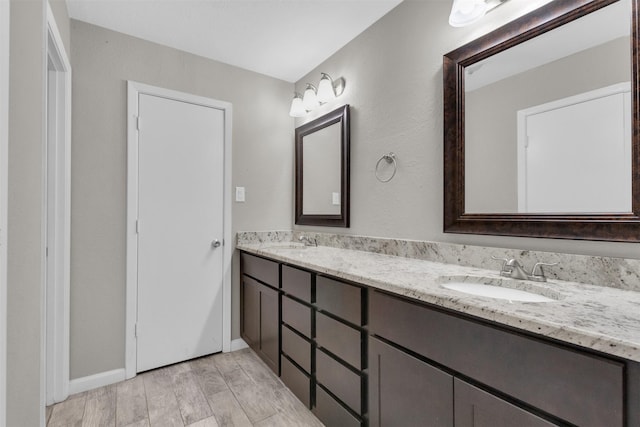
(591, 316)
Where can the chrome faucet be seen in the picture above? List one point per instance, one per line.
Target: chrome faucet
(308, 241)
(513, 269)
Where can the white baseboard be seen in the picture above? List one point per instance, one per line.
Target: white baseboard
(238, 344)
(79, 385)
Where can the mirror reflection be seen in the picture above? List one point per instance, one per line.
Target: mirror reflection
(321, 165)
(548, 122)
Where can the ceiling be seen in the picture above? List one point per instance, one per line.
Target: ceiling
(606, 24)
(284, 39)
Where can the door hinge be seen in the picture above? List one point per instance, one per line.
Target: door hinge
(46, 251)
(137, 226)
(135, 330)
(138, 123)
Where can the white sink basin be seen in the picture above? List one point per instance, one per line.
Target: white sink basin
(496, 292)
(498, 288)
(289, 246)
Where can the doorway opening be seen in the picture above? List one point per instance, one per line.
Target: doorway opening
(57, 224)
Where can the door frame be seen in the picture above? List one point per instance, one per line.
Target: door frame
(134, 90)
(4, 142)
(57, 217)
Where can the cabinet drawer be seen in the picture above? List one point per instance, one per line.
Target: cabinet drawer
(339, 299)
(477, 408)
(340, 339)
(297, 381)
(297, 348)
(331, 413)
(297, 283)
(342, 382)
(259, 268)
(580, 388)
(296, 315)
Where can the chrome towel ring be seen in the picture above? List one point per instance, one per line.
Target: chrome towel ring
(390, 159)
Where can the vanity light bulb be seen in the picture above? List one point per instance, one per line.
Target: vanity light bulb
(310, 99)
(297, 109)
(465, 12)
(466, 6)
(326, 92)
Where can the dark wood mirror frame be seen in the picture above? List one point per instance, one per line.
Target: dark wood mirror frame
(608, 227)
(339, 115)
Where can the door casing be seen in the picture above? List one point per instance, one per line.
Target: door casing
(57, 217)
(134, 89)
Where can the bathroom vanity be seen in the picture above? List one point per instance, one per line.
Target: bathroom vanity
(370, 339)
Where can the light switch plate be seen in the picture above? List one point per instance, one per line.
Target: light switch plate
(239, 194)
(336, 199)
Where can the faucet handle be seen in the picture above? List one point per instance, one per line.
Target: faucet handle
(504, 271)
(538, 266)
(504, 260)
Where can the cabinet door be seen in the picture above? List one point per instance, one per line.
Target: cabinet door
(251, 312)
(405, 391)
(269, 328)
(477, 408)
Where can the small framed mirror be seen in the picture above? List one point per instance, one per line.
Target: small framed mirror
(322, 170)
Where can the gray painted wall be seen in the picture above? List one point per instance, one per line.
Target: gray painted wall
(103, 61)
(25, 208)
(491, 152)
(25, 292)
(393, 82)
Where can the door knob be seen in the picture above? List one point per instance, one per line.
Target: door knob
(215, 244)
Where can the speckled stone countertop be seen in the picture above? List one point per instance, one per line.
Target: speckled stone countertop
(596, 317)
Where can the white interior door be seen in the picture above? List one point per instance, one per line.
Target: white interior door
(575, 154)
(180, 214)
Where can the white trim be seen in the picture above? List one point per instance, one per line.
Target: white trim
(79, 385)
(134, 89)
(238, 344)
(4, 141)
(58, 207)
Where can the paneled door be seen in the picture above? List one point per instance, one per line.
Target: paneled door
(180, 231)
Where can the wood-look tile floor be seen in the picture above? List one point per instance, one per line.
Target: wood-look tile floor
(226, 389)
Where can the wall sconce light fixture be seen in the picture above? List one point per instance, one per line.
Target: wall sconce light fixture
(466, 12)
(310, 98)
(313, 97)
(297, 109)
(326, 91)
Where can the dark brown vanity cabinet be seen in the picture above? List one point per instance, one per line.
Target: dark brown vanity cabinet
(404, 389)
(358, 356)
(423, 359)
(297, 333)
(341, 353)
(260, 319)
(322, 345)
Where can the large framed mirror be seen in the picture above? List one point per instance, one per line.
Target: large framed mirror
(322, 170)
(541, 126)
